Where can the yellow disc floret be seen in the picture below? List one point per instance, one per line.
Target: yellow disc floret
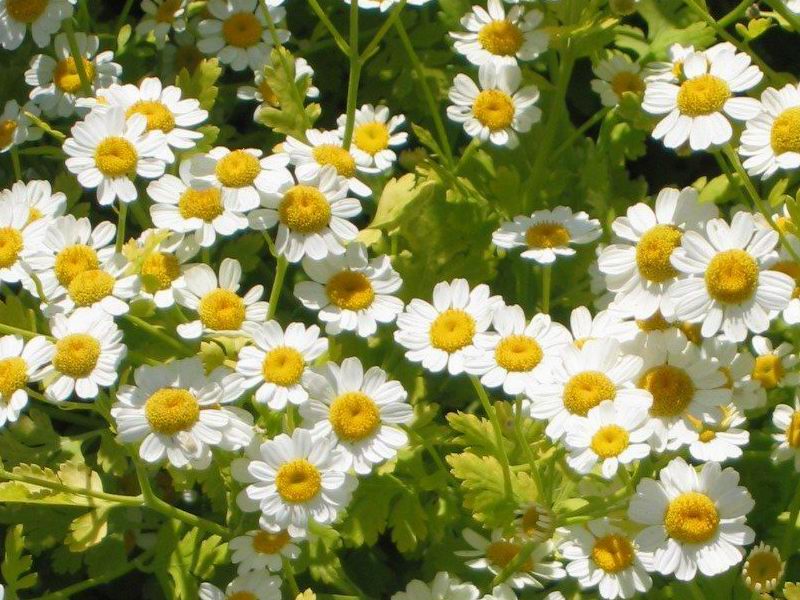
(768, 370)
(159, 270)
(702, 95)
(265, 542)
(157, 114)
(336, 157)
(7, 130)
(25, 11)
(171, 410)
(90, 286)
(793, 430)
(354, 416)
(656, 322)
(74, 260)
(66, 75)
(304, 209)
(625, 81)
(452, 330)
(547, 235)
(298, 481)
(654, 250)
(518, 353)
(76, 355)
(691, 518)
(203, 204)
(762, 569)
(242, 30)
(10, 246)
(371, 137)
(494, 109)
(613, 553)
(221, 309)
(671, 387)
(116, 157)
(732, 276)
(13, 376)
(283, 366)
(586, 390)
(237, 169)
(502, 552)
(785, 134)
(501, 38)
(350, 290)
(166, 12)
(609, 441)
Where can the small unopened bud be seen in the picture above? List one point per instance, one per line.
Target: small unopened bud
(753, 12)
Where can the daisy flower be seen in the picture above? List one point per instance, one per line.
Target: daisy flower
(498, 109)
(248, 586)
(534, 522)
(259, 550)
(444, 586)
(242, 175)
(293, 481)
(692, 521)
(350, 291)
(385, 5)
(278, 363)
(107, 150)
(15, 127)
(160, 17)
(788, 265)
(161, 265)
(787, 420)
(605, 556)
(56, 83)
(716, 437)
(605, 324)
(547, 234)
(737, 365)
(617, 76)
(39, 199)
(726, 283)
(763, 569)
(610, 435)
(85, 357)
(637, 266)
(237, 33)
(696, 108)
(521, 354)
(362, 412)
(774, 367)
(672, 69)
(44, 18)
(311, 214)
(21, 363)
(220, 310)
(503, 592)
(19, 238)
(375, 134)
(442, 334)
(496, 553)
(583, 379)
(770, 141)
(494, 35)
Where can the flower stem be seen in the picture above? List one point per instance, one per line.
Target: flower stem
(157, 333)
(24, 333)
(779, 7)
(353, 78)
(45, 126)
(75, 51)
(277, 284)
(737, 13)
(502, 456)
(791, 525)
(588, 124)
(547, 275)
(534, 469)
(338, 38)
(15, 164)
(373, 44)
(123, 214)
(60, 487)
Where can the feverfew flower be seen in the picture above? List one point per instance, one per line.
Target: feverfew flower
(770, 140)
(716, 437)
(38, 197)
(787, 420)
(774, 367)
(16, 127)
(444, 586)
(259, 550)
(262, 93)
(255, 585)
(20, 238)
(605, 324)
(787, 264)
(672, 69)
(763, 569)
(161, 16)
(161, 265)
(617, 76)
(44, 17)
(375, 134)
(21, 363)
(736, 364)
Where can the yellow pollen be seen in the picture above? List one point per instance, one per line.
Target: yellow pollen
(34, 214)
(691, 518)
(166, 12)
(613, 553)
(159, 270)
(625, 81)
(547, 235)
(265, 542)
(785, 224)
(609, 441)
(371, 137)
(494, 109)
(237, 169)
(586, 390)
(337, 157)
(221, 309)
(242, 595)
(91, 286)
(171, 410)
(157, 114)
(785, 134)
(677, 68)
(7, 130)
(581, 342)
(518, 353)
(654, 250)
(762, 570)
(452, 330)
(10, 246)
(76, 355)
(66, 75)
(790, 268)
(304, 209)
(732, 277)
(72, 261)
(242, 30)
(13, 376)
(502, 552)
(116, 157)
(201, 204)
(298, 481)
(350, 290)
(354, 416)
(655, 323)
(283, 366)
(672, 390)
(692, 331)
(501, 38)
(25, 11)
(707, 435)
(793, 430)
(702, 95)
(768, 371)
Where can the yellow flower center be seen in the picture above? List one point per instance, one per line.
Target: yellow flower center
(76, 355)
(66, 75)
(170, 410)
(609, 441)
(732, 276)
(586, 390)
(242, 595)
(677, 68)
(501, 38)
(25, 11)
(354, 416)
(221, 309)
(762, 570)
(371, 137)
(768, 371)
(691, 518)
(34, 214)
(159, 270)
(7, 130)
(13, 376)
(671, 387)
(337, 157)
(692, 331)
(702, 95)
(157, 114)
(283, 366)
(201, 204)
(494, 109)
(10, 246)
(304, 209)
(785, 134)
(166, 12)
(518, 353)
(298, 481)
(265, 542)
(242, 30)
(707, 435)
(625, 81)
(530, 521)
(654, 250)
(74, 260)
(502, 552)
(785, 225)
(655, 323)
(116, 157)
(613, 553)
(792, 269)
(350, 290)
(452, 330)
(91, 286)
(793, 430)
(547, 235)
(237, 169)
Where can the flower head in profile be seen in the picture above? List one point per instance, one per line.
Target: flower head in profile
(616, 76)
(21, 363)
(771, 140)
(787, 420)
(38, 197)
(259, 550)
(16, 127)
(161, 17)
(255, 585)
(20, 238)
(718, 436)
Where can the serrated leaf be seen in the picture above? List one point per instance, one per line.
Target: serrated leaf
(201, 83)
(88, 530)
(368, 511)
(71, 474)
(287, 113)
(16, 563)
(483, 487)
(475, 431)
(408, 521)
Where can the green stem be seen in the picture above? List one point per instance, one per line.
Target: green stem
(353, 78)
(75, 51)
(373, 44)
(124, 14)
(779, 7)
(15, 163)
(498, 434)
(45, 126)
(791, 525)
(735, 14)
(547, 275)
(277, 284)
(24, 333)
(338, 38)
(123, 214)
(288, 574)
(526, 447)
(516, 562)
(60, 487)
(588, 124)
(157, 333)
(695, 590)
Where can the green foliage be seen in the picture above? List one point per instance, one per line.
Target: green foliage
(16, 564)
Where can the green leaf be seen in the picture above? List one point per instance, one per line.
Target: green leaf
(286, 113)
(483, 488)
(201, 84)
(71, 474)
(88, 530)
(111, 456)
(408, 521)
(396, 198)
(368, 511)
(475, 431)
(16, 564)
(122, 37)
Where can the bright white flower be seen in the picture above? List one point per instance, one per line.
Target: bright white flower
(787, 420)
(617, 75)
(38, 197)
(774, 367)
(21, 363)
(20, 238)
(15, 127)
(107, 150)
(237, 33)
(374, 137)
(259, 550)
(161, 16)
(716, 437)
(362, 412)
(770, 140)
(220, 310)
(494, 554)
(161, 265)
(494, 35)
(671, 70)
(521, 354)
(311, 214)
(737, 365)
(637, 266)
(728, 285)
(605, 324)
(442, 334)
(265, 95)
(293, 481)
(583, 379)
(85, 357)
(534, 522)
(547, 234)
(44, 17)
(498, 109)
(787, 264)
(697, 106)
(248, 586)
(444, 586)
(501, 592)
(644, 332)
(56, 82)
(605, 556)
(351, 292)
(763, 569)
(693, 521)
